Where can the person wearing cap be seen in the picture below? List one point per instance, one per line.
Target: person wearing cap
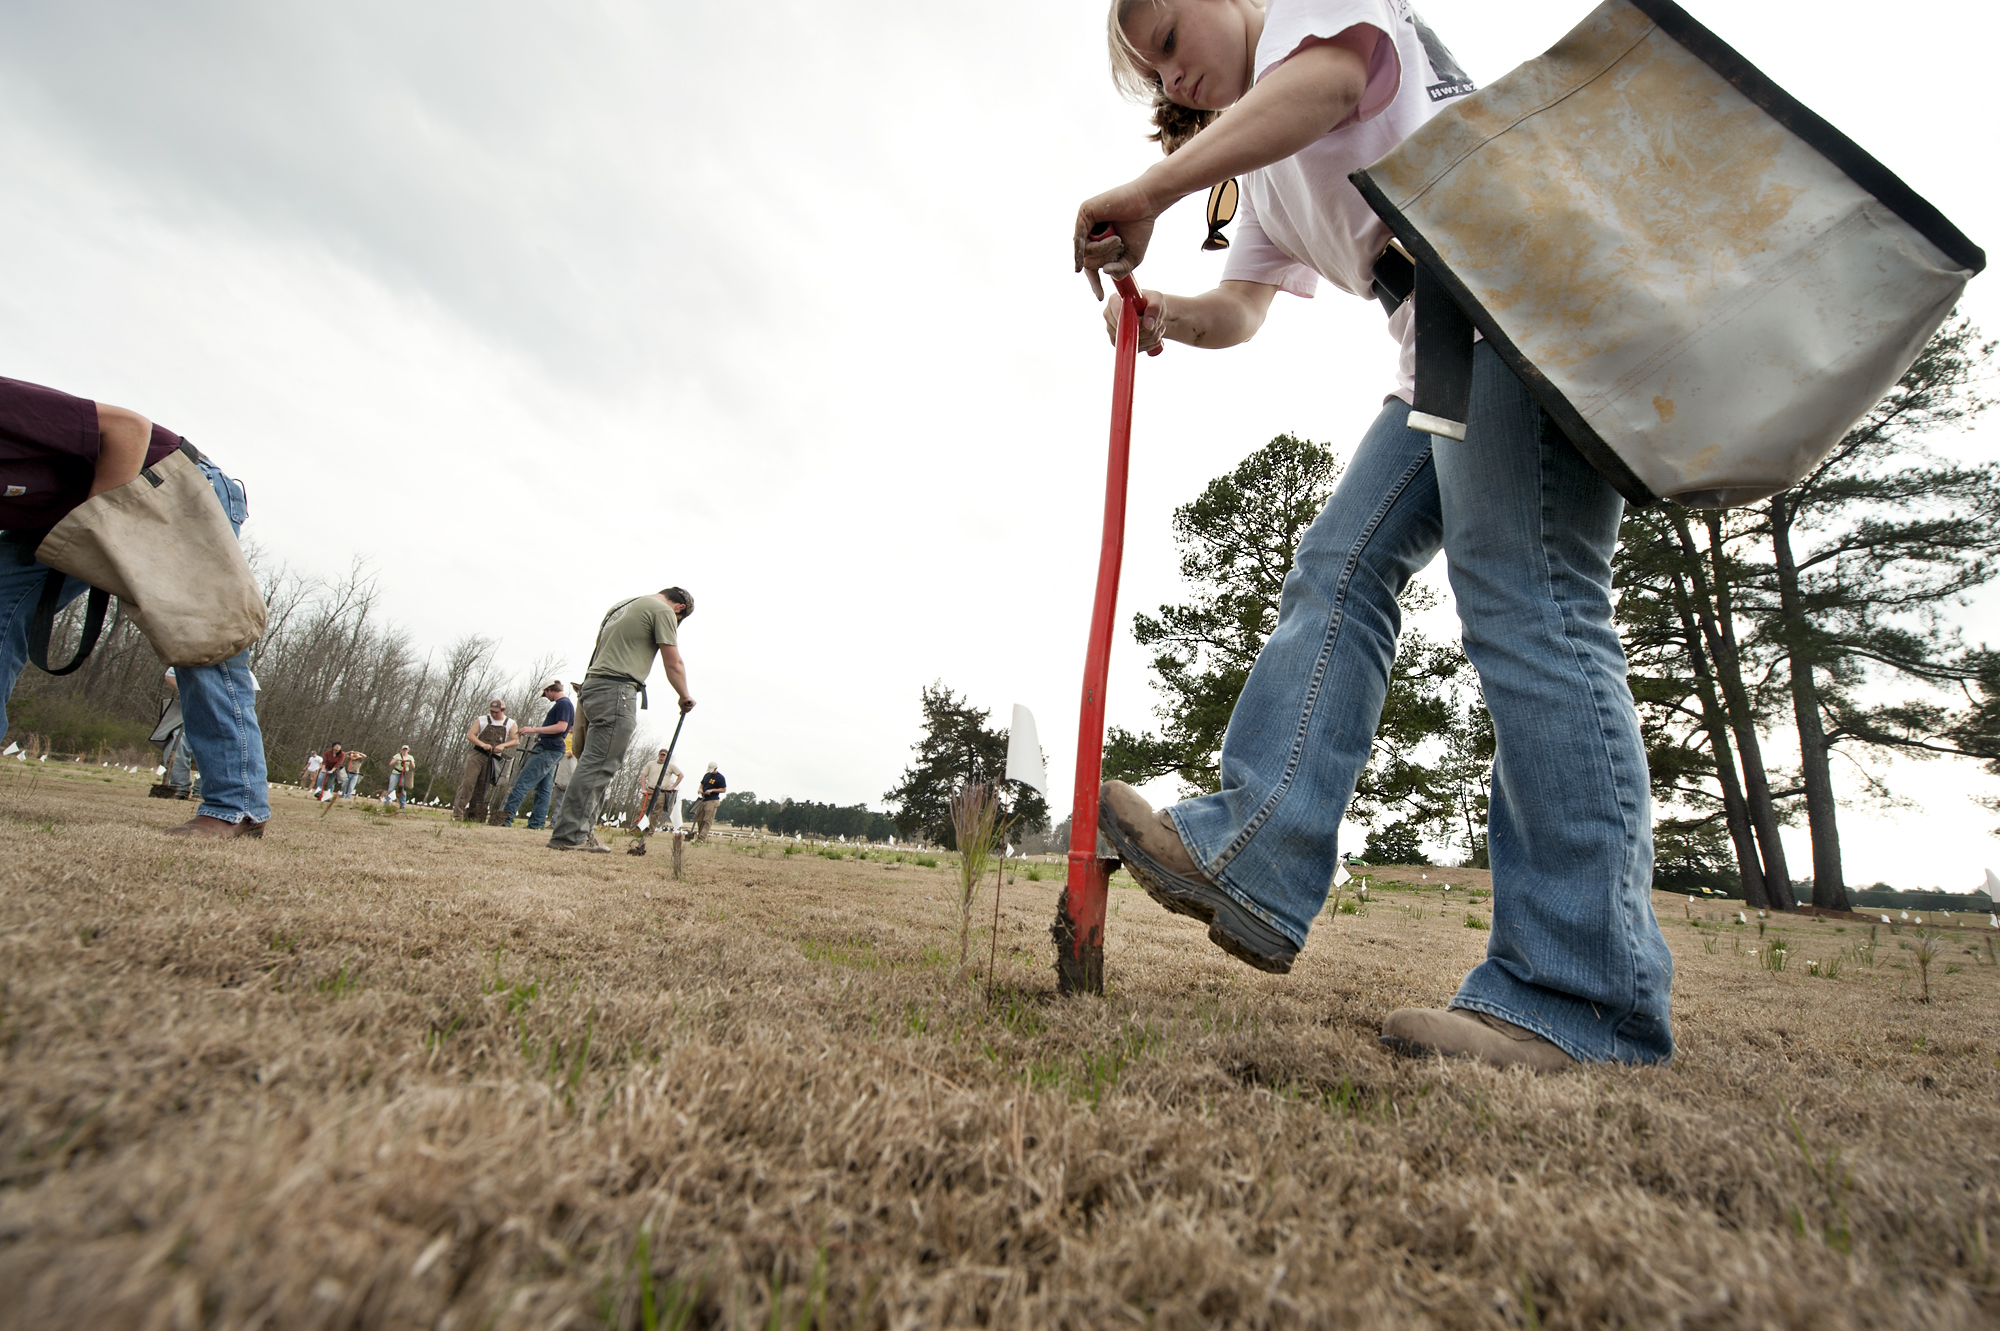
(402, 767)
(713, 788)
(629, 636)
(538, 773)
(491, 734)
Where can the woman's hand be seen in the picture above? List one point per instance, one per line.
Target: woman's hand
(1131, 211)
(1152, 318)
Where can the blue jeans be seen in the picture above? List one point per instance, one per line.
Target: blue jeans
(177, 759)
(399, 786)
(218, 707)
(1528, 528)
(539, 775)
(347, 780)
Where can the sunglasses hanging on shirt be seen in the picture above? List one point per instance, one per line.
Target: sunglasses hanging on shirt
(1221, 208)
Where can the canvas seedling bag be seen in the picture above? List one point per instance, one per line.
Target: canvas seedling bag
(163, 546)
(1703, 283)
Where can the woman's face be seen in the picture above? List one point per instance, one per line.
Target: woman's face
(1200, 51)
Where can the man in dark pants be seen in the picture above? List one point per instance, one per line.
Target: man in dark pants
(56, 451)
(630, 635)
(538, 773)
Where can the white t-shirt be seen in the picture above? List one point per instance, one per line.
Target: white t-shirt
(313, 764)
(1300, 219)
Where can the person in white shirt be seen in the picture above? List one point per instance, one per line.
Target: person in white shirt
(1576, 968)
(665, 777)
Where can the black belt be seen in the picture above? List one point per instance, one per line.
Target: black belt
(1444, 343)
(638, 684)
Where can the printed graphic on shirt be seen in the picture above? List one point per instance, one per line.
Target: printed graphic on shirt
(1448, 80)
(13, 490)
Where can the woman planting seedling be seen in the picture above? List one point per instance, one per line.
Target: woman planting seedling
(1576, 968)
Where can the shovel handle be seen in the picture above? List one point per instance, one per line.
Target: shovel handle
(1135, 304)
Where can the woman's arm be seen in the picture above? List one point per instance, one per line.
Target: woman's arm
(1224, 317)
(1291, 107)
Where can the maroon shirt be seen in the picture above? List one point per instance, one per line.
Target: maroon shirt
(48, 454)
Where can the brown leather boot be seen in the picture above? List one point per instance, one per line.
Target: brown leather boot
(1462, 1033)
(217, 829)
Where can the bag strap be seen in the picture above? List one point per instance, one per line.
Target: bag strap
(44, 623)
(1444, 359)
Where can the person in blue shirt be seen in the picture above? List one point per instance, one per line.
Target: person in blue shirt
(538, 772)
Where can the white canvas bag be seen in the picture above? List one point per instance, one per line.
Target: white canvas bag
(1703, 283)
(162, 545)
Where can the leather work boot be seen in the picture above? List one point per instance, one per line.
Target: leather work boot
(1462, 1033)
(217, 829)
(1151, 847)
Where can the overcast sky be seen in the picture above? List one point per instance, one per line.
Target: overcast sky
(537, 306)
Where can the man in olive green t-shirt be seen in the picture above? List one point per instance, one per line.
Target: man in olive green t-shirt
(631, 633)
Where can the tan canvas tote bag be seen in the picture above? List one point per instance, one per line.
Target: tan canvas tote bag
(1702, 282)
(163, 546)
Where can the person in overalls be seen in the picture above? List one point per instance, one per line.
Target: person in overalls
(490, 735)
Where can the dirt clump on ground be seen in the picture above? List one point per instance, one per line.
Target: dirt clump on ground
(387, 1071)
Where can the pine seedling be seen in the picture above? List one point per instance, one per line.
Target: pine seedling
(975, 818)
(1925, 952)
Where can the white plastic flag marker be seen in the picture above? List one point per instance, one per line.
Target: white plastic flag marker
(1024, 752)
(1340, 874)
(1993, 885)
(645, 821)
(13, 749)
(159, 771)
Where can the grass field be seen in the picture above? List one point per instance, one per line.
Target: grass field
(388, 1072)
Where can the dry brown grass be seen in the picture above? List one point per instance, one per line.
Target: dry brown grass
(385, 1072)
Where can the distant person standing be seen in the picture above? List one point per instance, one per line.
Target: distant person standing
(713, 788)
(664, 778)
(330, 764)
(490, 734)
(351, 772)
(629, 636)
(538, 773)
(310, 780)
(402, 768)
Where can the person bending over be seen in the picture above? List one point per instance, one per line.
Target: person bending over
(57, 451)
(1576, 968)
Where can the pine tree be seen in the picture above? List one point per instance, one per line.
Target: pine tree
(958, 748)
(1236, 543)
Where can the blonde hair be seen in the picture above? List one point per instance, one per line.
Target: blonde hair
(1173, 124)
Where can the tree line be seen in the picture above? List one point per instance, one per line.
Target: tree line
(1825, 613)
(806, 818)
(329, 667)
